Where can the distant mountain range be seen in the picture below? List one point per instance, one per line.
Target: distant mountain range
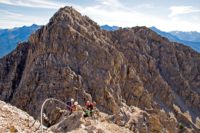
(9, 38)
(191, 39)
(109, 28)
(192, 36)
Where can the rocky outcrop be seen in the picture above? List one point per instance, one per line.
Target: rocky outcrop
(72, 57)
(130, 119)
(69, 123)
(167, 70)
(76, 124)
(14, 120)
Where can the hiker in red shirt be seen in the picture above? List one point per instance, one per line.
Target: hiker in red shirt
(89, 108)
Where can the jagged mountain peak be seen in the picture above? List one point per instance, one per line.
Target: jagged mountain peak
(69, 17)
(72, 57)
(69, 23)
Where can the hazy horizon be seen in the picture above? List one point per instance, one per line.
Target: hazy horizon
(180, 15)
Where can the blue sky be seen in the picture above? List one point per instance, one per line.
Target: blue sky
(166, 15)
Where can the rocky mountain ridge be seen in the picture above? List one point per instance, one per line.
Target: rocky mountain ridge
(72, 57)
(9, 38)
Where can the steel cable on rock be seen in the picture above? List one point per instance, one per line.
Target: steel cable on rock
(42, 108)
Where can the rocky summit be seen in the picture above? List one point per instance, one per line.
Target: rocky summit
(72, 57)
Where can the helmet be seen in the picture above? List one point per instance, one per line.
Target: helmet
(76, 103)
(72, 100)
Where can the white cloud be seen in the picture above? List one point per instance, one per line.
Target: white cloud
(178, 10)
(11, 19)
(113, 12)
(177, 24)
(34, 3)
(10, 14)
(111, 3)
(125, 17)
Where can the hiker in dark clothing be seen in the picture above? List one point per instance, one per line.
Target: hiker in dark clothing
(70, 105)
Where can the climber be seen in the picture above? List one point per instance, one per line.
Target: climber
(89, 108)
(87, 113)
(75, 106)
(90, 105)
(69, 105)
(86, 110)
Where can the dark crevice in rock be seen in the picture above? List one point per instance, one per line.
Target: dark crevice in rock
(19, 70)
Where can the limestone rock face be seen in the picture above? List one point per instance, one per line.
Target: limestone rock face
(72, 57)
